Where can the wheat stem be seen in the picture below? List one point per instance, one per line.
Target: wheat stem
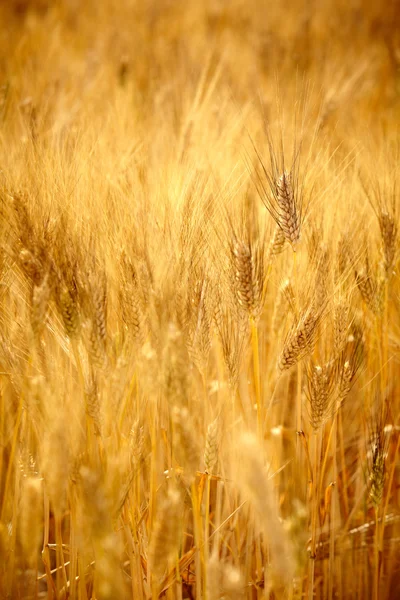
(206, 534)
(376, 556)
(256, 372)
(389, 488)
(326, 454)
(331, 570)
(72, 545)
(299, 368)
(314, 513)
(199, 560)
(60, 562)
(343, 466)
(45, 552)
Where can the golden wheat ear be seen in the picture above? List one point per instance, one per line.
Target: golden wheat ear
(301, 337)
(211, 447)
(370, 281)
(248, 272)
(382, 196)
(281, 189)
(377, 449)
(320, 392)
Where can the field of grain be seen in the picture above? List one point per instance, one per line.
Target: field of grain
(199, 299)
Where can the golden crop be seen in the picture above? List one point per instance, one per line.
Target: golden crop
(199, 299)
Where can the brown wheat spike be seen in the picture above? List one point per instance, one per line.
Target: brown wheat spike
(248, 274)
(366, 286)
(389, 229)
(24, 225)
(69, 311)
(243, 265)
(93, 405)
(211, 448)
(315, 248)
(300, 338)
(40, 299)
(350, 361)
(94, 327)
(371, 287)
(95, 346)
(377, 452)
(232, 334)
(340, 322)
(289, 219)
(281, 193)
(285, 302)
(218, 312)
(99, 301)
(199, 323)
(343, 256)
(30, 265)
(130, 299)
(372, 291)
(377, 474)
(346, 377)
(383, 198)
(288, 291)
(277, 244)
(136, 442)
(321, 385)
(322, 278)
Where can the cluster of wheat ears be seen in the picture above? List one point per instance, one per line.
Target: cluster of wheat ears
(199, 300)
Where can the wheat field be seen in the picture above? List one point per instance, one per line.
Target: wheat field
(199, 299)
